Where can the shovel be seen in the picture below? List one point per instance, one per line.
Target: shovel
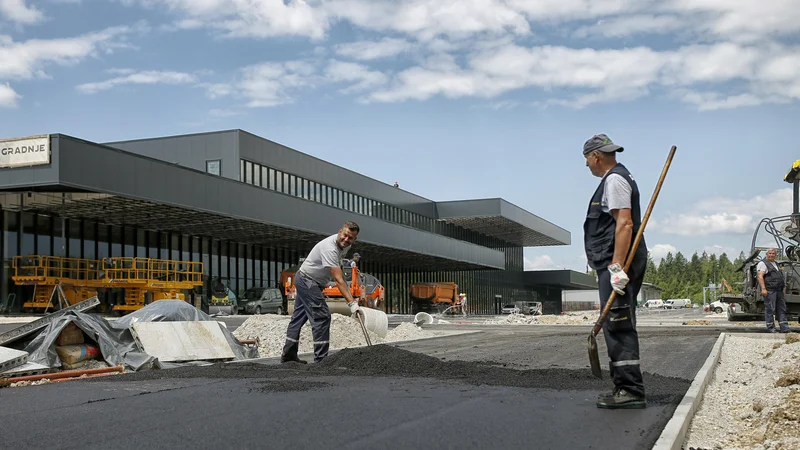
(594, 358)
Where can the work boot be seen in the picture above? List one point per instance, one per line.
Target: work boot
(286, 359)
(621, 399)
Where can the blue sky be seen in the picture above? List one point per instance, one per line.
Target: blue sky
(454, 100)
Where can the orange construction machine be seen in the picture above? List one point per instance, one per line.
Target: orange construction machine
(435, 297)
(364, 287)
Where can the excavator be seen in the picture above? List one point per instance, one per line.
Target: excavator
(364, 287)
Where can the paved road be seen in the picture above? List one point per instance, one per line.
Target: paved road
(535, 391)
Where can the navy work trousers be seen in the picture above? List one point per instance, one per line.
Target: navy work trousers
(775, 305)
(619, 330)
(309, 305)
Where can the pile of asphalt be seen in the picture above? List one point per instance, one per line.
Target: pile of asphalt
(389, 361)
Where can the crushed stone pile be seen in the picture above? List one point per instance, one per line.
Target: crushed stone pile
(698, 322)
(753, 401)
(346, 332)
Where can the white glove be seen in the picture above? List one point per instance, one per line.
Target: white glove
(353, 307)
(619, 279)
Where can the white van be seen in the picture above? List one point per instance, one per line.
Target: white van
(676, 303)
(654, 304)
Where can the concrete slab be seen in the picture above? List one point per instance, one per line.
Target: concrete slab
(10, 358)
(26, 369)
(182, 341)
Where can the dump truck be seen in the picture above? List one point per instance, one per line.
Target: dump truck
(364, 287)
(434, 297)
(783, 234)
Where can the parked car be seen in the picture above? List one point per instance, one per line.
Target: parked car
(530, 308)
(717, 307)
(510, 309)
(261, 300)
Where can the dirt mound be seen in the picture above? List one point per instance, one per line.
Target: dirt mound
(698, 322)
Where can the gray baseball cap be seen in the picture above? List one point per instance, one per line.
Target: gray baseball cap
(600, 143)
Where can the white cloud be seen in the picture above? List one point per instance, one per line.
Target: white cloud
(718, 250)
(8, 97)
(17, 11)
(428, 19)
(27, 59)
(267, 84)
(543, 262)
(369, 50)
(143, 77)
(735, 53)
(361, 77)
(660, 251)
(248, 18)
(637, 24)
(765, 75)
(725, 215)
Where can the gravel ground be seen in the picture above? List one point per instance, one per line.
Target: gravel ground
(345, 333)
(753, 401)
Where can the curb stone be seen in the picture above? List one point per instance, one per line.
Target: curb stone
(674, 433)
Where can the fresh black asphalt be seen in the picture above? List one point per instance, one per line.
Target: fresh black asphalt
(505, 387)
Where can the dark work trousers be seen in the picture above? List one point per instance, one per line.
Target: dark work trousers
(775, 304)
(619, 329)
(309, 305)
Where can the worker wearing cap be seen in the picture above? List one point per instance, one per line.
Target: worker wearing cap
(323, 263)
(772, 284)
(463, 297)
(356, 259)
(612, 221)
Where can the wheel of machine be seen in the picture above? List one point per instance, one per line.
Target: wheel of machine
(279, 311)
(258, 310)
(718, 310)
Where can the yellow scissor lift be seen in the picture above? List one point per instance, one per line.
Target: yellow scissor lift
(73, 280)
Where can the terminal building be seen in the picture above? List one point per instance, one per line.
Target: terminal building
(248, 208)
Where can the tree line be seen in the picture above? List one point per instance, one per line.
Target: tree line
(685, 278)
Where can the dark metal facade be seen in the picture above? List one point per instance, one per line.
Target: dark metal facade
(94, 201)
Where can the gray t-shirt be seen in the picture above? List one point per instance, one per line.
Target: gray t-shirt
(323, 256)
(617, 193)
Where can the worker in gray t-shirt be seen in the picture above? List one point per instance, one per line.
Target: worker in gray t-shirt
(322, 265)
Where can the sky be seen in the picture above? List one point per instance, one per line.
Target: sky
(452, 99)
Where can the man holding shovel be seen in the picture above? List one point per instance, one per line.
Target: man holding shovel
(323, 263)
(612, 220)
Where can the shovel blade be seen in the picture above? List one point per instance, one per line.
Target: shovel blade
(594, 358)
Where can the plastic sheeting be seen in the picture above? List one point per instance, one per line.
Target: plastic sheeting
(115, 340)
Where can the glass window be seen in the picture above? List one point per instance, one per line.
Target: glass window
(214, 166)
(59, 237)
(304, 190)
(292, 185)
(264, 176)
(285, 183)
(204, 249)
(130, 241)
(74, 236)
(102, 241)
(248, 172)
(43, 231)
(11, 228)
(215, 269)
(89, 240)
(185, 248)
(223, 252)
(241, 170)
(279, 181)
(141, 249)
(271, 179)
(256, 174)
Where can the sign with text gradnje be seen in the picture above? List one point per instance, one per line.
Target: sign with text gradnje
(25, 151)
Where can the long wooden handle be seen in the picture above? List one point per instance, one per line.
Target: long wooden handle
(629, 260)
